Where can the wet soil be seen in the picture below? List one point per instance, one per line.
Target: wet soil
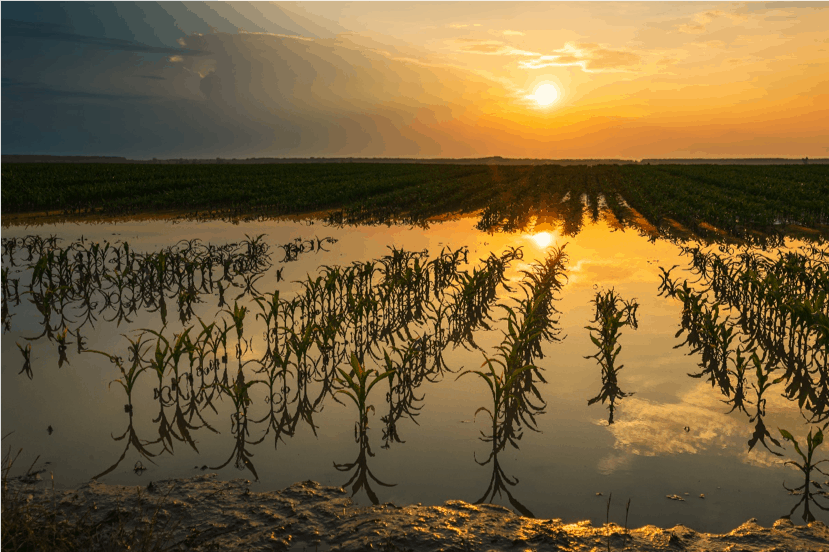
(204, 513)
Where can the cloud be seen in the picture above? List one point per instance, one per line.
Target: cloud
(512, 33)
(709, 44)
(252, 95)
(590, 57)
(694, 425)
(700, 21)
(14, 90)
(48, 31)
(491, 47)
(792, 5)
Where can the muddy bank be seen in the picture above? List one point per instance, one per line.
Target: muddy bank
(204, 513)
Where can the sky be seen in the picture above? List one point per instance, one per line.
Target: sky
(559, 80)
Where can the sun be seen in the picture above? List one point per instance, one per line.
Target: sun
(542, 239)
(545, 94)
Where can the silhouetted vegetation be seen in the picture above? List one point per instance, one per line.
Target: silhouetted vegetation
(760, 322)
(757, 321)
(752, 203)
(511, 374)
(612, 314)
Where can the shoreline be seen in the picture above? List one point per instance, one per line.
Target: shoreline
(205, 513)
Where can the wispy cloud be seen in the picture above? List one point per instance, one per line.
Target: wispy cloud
(700, 21)
(509, 32)
(46, 31)
(28, 91)
(491, 47)
(793, 5)
(590, 57)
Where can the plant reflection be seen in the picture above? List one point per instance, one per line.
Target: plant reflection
(810, 490)
(612, 313)
(356, 385)
(511, 374)
(776, 329)
(401, 310)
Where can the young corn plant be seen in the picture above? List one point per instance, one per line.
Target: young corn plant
(612, 314)
(501, 387)
(810, 490)
(357, 384)
(238, 315)
(62, 344)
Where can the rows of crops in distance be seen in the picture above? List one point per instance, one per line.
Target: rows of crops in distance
(705, 199)
(731, 198)
(126, 189)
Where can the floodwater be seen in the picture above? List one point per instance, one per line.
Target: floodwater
(671, 437)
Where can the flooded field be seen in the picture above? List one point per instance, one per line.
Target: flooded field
(420, 364)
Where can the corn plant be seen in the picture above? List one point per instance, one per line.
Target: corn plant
(357, 384)
(810, 490)
(612, 314)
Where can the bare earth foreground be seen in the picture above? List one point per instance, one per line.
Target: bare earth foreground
(205, 513)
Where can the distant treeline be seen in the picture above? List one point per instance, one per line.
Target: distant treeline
(497, 160)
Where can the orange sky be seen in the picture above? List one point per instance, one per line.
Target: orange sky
(635, 79)
(404, 79)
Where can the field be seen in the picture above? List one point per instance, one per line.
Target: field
(708, 200)
(559, 340)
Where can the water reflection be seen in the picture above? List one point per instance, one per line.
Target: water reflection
(358, 383)
(612, 313)
(268, 362)
(760, 322)
(776, 328)
(511, 374)
(401, 310)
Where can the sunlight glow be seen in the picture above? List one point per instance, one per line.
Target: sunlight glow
(542, 239)
(545, 94)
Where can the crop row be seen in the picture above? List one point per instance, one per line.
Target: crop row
(707, 200)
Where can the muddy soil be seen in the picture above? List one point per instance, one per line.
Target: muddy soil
(204, 513)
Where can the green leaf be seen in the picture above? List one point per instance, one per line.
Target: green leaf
(817, 439)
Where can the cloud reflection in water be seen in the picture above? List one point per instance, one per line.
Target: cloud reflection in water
(696, 424)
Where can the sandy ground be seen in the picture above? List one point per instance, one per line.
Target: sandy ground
(205, 513)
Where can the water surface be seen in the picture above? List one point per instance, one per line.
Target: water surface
(672, 436)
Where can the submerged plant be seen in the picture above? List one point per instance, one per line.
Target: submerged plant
(612, 314)
(27, 359)
(810, 490)
(358, 383)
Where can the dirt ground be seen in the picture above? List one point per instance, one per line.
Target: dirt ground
(204, 513)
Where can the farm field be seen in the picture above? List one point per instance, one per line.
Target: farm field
(708, 200)
(534, 337)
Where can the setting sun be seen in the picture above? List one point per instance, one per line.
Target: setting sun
(545, 94)
(542, 239)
